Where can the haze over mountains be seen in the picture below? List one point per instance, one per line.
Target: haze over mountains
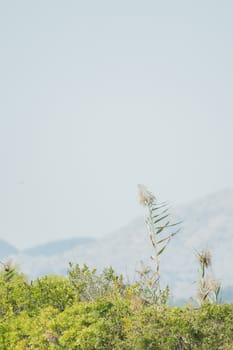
(207, 223)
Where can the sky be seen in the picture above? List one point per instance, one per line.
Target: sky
(96, 97)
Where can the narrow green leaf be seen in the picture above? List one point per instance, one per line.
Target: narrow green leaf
(9, 274)
(177, 223)
(163, 212)
(161, 218)
(161, 228)
(161, 250)
(217, 292)
(203, 270)
(159, 206)
(174, 233)
(164, 239)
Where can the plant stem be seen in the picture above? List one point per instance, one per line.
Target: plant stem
(154, 243)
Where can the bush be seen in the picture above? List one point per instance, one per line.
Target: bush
(87, 311)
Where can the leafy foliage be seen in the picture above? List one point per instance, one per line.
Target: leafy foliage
(87, 311)
(91, 311)
(89, 285)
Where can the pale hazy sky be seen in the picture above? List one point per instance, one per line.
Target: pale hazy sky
(97, 97)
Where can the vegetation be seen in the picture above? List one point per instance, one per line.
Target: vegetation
(208, 287)
(159, 228)
(87, 310)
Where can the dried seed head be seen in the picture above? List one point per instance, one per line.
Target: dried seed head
(145, 196)
(144, 270)
(204, 258)
(213, 285)
(7, 265)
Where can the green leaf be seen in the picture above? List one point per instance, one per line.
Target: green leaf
(9, 274)
(161, 228)
(161, 218)
(177, 223)
(161, 250)
(163, 212)
(161, 205)
(164, 239)
(174, 233)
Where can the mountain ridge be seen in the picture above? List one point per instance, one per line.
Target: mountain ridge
(206, 223)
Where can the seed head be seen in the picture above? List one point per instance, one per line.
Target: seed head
(8, 265)
(144, 270)
(145, 196)
(204, 258)
(213, 285)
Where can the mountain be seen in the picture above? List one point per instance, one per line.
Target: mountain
(6, 249)
(58, 246)
(206, 223)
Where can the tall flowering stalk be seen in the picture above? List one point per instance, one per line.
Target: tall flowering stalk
(158, 222)
(208, 287)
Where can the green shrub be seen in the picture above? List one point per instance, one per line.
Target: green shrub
(87, 311)
(89, 286)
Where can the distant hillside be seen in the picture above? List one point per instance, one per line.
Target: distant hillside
(6, 249)
(207, 222)
(57, 247)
